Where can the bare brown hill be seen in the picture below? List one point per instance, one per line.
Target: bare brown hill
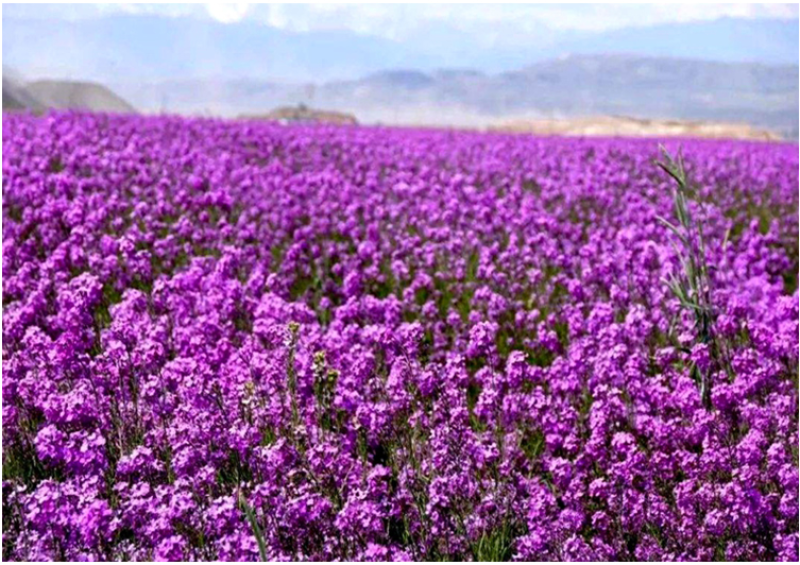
(304, 114)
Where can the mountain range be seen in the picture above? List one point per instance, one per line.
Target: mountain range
(765, 96)
(728, 69)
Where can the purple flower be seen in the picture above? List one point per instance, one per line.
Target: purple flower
(237, 340)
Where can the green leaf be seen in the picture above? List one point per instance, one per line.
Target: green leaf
(251, 518)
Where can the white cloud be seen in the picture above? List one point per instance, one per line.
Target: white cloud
(397, 21)
(227, 13)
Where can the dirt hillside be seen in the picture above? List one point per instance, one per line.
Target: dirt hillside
(633, 127)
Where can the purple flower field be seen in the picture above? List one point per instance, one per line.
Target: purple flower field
(243, 341)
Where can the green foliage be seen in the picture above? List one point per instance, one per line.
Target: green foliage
(532, 443)
(496, 544)
(291, 372)
(324, 390)
(251, 519)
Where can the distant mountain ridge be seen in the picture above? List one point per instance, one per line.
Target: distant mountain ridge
(16, 97)
(38, 96)
(439, 74)
(765, 96)
(78, 95)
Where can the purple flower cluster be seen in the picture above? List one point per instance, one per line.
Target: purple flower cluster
(238, 340)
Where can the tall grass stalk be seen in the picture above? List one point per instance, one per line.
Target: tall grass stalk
(692, 285)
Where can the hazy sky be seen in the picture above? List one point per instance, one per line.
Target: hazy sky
(396, 21)
(320, 42)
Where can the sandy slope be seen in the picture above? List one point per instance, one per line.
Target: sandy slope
(633, 127)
